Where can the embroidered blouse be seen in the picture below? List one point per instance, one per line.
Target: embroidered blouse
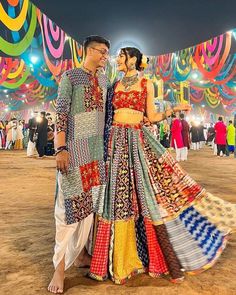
(134, 99)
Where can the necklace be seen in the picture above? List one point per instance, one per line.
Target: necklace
(127, 82)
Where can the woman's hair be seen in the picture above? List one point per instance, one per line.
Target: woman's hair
(131, 52)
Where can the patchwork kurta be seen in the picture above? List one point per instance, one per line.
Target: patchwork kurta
(80, 114)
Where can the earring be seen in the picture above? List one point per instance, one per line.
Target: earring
(131, 67)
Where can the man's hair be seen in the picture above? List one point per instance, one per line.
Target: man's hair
(220, 119)
(181, 116)
(95, 39)
(230, 121)
(43, 113)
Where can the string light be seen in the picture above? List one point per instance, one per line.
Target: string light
(34, 59)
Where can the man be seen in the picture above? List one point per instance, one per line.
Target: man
(211, 135)
(79, 142)
(231, 137)
(32, 125)
(202, 138)
(221, 132)
(195, 136)
(185, 136)
(42, 131)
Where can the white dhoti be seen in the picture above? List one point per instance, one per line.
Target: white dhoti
(202, 143)
(179, 152)
(185, 154)
(70, 239)
(195, 146)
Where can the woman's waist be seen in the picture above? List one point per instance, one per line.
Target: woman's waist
(129, 116)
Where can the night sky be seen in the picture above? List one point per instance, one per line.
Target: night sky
(155, 27)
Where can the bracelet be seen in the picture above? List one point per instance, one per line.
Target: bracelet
(58, 152)
(60, 149)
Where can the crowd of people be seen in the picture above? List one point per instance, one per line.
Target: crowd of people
(37, 134)
(177, 133)
(13, 134)
(180, 135)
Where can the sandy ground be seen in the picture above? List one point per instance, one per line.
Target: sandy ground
(27, 232)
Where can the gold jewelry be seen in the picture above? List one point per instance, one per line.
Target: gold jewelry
(144, 62)
(132, 67)
(128, 82)
(127, 111)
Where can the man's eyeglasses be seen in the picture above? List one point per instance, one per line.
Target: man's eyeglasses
(102, 51)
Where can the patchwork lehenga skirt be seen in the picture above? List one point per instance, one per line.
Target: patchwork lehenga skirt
(153, 216)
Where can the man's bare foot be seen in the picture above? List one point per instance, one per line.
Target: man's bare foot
(57, 283)
(83, 261)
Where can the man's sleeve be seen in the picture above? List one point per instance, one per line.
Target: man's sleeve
(63, 103)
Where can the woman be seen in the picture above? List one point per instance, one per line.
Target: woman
(19, 136)
(153, 217)
(11, 129)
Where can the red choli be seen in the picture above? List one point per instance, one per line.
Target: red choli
(134, 99)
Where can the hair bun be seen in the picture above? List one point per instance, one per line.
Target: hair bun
(144, 62)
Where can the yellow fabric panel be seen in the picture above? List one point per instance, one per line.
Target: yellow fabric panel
(125, 255)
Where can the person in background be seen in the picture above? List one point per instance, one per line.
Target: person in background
(185, 136)
(176, 137)
(2, 135)
(32, 125)
(165, 133)
(50, 136)
(25, 134)
(201, 135)
(19, 136)
(230, 137)
(42, 132)
(195, 136)
(211, 135)
(221, 133)
(11, 130)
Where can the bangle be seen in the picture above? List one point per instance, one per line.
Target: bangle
(60, 149)
(58, 152)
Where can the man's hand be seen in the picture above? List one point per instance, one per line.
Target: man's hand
(62, 160)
